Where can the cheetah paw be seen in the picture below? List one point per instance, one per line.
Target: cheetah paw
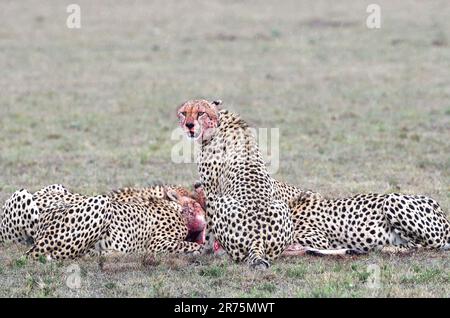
(260, 264)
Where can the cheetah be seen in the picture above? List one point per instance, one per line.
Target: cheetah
(367, 222)
(68, 231)
(61, 224)
(241, 212)
(155, 225)
(155, 191)
(21, 212)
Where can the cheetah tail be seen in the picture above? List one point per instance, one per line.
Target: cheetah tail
(2, 235)
(33, 252)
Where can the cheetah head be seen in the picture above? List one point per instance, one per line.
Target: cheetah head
(199, 118)
(193, 215)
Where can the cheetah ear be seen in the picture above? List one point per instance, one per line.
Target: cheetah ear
(173, 195)
(217, 103)
(198, 184)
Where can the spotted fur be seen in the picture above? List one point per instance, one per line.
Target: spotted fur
(368, 222)
(61, 224)
(242, 213)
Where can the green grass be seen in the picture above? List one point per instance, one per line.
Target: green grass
(296, 272)
(358, 110)
(214, 271)
(20, 262)
(110, 285)
(426, 275)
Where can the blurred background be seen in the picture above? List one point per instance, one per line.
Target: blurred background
(358, 109)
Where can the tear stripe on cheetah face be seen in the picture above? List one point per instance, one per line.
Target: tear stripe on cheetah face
(241, 213)
(368, 222)
(198, 119)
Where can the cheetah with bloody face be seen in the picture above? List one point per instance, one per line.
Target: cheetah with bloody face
(367, 222)
(62, 225)
(241, 210)
(154, 225)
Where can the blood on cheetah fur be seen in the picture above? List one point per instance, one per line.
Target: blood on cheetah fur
(62, 225)
(242, 214)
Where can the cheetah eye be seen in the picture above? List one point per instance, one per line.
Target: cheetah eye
(183, 113)
(201, 114)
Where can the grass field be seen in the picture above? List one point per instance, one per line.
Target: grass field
(358, 110)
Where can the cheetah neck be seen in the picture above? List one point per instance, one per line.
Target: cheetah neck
(233, 149)
(228, 123)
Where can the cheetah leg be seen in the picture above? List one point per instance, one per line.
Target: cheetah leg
(200, 194)
(265, 244)
(278, 233)
(399, 249)
(416, 221)
(208, 247)
(218, 208)
(309, 237)
(256, 257)
(20, 218)
(174, 246)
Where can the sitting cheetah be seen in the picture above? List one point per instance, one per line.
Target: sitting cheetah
(61, 224)
(367, 222)
(242, 214)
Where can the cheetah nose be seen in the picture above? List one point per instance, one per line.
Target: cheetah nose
(190, 125)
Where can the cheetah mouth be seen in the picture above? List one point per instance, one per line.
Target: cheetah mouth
(195, 236)
(193, 134)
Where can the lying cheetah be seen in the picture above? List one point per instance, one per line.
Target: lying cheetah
(61, 224)
(155, 225)
(242, 214)
(367, 222)
(21, 212)
(71, 230)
